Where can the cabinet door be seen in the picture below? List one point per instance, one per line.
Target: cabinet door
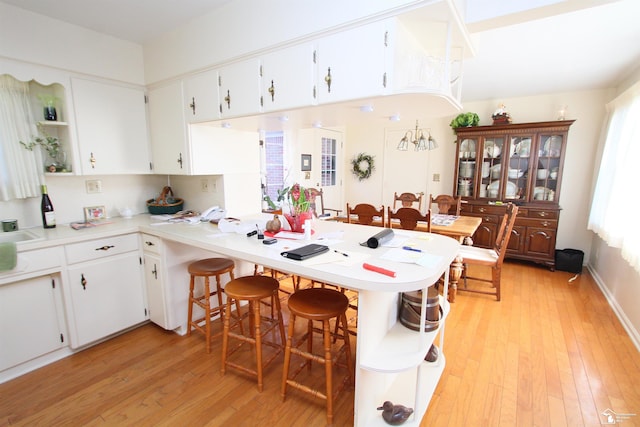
(106, 297)
(485, 235)
(168, 130)
(519, 166)
(239, 88)
(201, 97)
(466, 173)
(492, 169)
(517, 240)
(541, 242)
(112, 128)
(287, 80)
(351, 64)
(547, 171)
(155, 294)
(30, 320)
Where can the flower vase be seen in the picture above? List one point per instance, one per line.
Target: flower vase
(297, 221)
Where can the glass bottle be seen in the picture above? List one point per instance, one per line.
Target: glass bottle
(46, 207)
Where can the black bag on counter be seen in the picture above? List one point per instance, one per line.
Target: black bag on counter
(569, 260)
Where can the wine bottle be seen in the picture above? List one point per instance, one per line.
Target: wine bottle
(46, 207)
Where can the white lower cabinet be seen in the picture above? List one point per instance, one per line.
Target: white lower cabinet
(104, 289)
(154, 280)
(31, 319)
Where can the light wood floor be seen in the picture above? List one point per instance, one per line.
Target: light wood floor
(552, 353)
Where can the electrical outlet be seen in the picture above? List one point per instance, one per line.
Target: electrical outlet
(93, 186)
(204, 185)
(436, 177)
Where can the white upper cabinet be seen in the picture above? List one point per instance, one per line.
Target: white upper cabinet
(239, 88)
(168, 130)
(111, 123)
(288, 78)
(351, 64)
(201, 97)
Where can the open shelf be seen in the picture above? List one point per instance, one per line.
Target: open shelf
(402, 348)
(426, 375)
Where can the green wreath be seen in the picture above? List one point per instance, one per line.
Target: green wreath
(357, 166)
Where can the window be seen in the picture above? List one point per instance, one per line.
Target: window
(20, 169)
(274, 167)
(612, 215)
(329, 154)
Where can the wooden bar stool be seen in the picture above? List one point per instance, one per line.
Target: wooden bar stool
(206, 268)
(252, 289)
(318, 304)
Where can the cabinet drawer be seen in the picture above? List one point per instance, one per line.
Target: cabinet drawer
(540, 223)
(96, 249)
(543, 214)
(151, 244)
(489, 210)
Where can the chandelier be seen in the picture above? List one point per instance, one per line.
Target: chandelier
(417, 138)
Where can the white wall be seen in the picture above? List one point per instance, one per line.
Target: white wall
(619, 282)
(34, 38)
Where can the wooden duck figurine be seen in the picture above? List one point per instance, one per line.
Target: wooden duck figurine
(395, 414)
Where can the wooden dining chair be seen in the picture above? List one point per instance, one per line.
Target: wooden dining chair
(409, 218)
(366, 215)
(445, 203)
(489, 257)
(317, 204)
(407, 200)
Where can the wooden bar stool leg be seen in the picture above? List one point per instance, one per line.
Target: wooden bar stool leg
(258, 336)
(276, 297)
(287, 356)
(207, 314)
(225, 336)
(191, 298)
(328, 369)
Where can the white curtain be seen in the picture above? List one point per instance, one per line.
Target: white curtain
(613, 215)
(20, 169)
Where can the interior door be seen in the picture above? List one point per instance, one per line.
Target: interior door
(327, 160)
(404, 171)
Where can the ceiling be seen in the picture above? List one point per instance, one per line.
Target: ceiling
(554, 46)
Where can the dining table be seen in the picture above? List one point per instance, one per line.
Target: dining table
(459, 227)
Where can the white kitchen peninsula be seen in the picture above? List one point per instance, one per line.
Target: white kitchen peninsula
(389, 357)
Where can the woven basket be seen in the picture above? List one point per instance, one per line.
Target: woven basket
(165, 204)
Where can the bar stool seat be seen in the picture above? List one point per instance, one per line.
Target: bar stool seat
(206, 268)
(318, 304)
(252, 289)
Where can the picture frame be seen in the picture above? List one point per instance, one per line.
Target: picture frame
(305, 162)
(94, 213)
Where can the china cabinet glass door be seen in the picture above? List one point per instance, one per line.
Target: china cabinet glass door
(550, 150)
(467, 167)
(518, 167)
(491, 184)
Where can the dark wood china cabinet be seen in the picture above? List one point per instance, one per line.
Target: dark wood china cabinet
(520, 163)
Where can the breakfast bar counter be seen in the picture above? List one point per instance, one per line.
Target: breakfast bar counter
(390, 361)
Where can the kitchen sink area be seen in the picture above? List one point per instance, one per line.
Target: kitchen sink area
(19, 236)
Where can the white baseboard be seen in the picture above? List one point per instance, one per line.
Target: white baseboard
(626, 323)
